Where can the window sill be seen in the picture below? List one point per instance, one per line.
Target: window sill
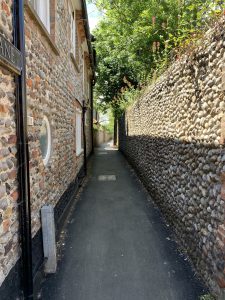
(33, 13)
(74, 62)
(80, 153)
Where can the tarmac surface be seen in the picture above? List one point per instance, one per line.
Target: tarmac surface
(117, 246)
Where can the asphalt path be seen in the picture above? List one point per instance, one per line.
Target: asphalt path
(117, 245)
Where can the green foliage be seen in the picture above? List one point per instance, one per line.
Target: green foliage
(110, 126)
(207, 297)
(137, 39)
(126, 98)
(108, 115)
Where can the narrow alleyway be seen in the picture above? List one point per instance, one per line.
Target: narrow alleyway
(117, 245)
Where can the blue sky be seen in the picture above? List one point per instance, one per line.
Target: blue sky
(94, 15)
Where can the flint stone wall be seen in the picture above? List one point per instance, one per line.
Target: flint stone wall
(9, 245)
(55, 90)
(174, 137)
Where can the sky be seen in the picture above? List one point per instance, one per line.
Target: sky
(93, 15)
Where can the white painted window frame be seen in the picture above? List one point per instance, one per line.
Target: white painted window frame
(86, 118)
(79, 148)
(42, 8)
(49, 141)
(73, 28)
(89, 87)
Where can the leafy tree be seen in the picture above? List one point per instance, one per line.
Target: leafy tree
(136, 38)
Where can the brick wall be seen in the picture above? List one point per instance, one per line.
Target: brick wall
(54, 90)
(173, 136)
(9, 251)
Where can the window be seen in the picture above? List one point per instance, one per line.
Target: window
(45, 140)
(42, 8)
(78, 132)
(73, 31)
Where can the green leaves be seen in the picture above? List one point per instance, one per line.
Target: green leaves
(135, 38)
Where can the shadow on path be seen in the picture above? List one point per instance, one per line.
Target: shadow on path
(118, 246)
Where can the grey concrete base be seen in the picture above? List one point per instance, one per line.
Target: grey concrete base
(117, 246)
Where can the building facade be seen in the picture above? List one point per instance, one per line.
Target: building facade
(59, 78)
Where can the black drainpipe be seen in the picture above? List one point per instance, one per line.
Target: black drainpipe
(23, 155)
(84, 138)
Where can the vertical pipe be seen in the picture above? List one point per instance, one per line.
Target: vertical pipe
(115, 131)
(23, 155)
(84, 138)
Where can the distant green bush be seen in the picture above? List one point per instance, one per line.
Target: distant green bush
(207, 297)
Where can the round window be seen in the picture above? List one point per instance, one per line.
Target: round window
(45, 140)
